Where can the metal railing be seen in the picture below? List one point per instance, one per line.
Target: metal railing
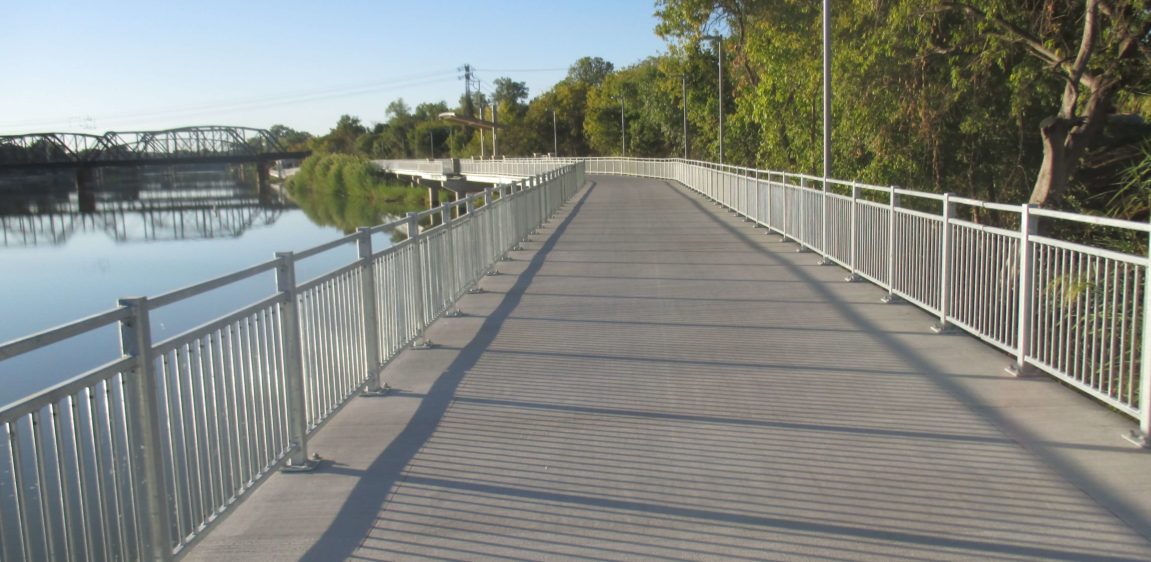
(137, 458)
(1074, 311)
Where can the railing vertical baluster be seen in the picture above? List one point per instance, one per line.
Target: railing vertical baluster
(370, 315)
(1027, 227)
(142, 413)
(298, 460)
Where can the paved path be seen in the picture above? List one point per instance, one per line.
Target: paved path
(653, 379)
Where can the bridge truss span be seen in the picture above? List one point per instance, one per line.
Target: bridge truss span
(214, 143)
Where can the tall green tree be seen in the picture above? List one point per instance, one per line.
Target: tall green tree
(1097, 51)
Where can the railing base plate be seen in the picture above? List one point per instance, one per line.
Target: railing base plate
(942, 328)
(309, 466)
(1138, 438)
(852, 278)
(1021, 372)
(379, 392)
(890, 298)
(423, 344)
(825, 261)
(454, 313)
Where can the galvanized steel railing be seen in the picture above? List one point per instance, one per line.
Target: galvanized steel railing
(135, 459)
(1071, 310)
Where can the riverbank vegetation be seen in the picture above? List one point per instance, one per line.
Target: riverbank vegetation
(1041, 101)
(345, 191)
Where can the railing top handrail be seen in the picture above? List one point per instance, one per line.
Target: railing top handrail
(1006, 207)
(60, 333)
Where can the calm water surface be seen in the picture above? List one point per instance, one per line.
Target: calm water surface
(143, 233)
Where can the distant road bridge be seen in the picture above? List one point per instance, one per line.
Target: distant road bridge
(186, 145)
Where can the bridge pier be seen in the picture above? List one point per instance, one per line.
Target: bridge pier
(85, 190)
(263, 177)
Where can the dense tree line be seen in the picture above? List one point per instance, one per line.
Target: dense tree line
(1004, 100)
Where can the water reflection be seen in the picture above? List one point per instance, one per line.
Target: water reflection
(135, 204)
(69, 249)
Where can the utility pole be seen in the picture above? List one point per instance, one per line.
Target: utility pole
(469, 106)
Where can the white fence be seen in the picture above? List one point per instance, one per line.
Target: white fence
(1074, 311)
(135, 459)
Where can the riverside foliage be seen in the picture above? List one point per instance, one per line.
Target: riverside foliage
(345, 191)
(1000, 100)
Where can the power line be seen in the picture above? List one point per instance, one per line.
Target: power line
(302, 96)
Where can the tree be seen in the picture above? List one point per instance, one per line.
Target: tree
(590, 71)
(510, 92)
(944, 95)
(342, 138)
(290, 139)
(1097, 49)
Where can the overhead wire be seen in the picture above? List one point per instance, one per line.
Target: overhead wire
(302, 96)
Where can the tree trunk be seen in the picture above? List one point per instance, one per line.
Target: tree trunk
(1053, 173)
(1066, 138)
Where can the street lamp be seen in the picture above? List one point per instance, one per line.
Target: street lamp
(719, 47)
(622, 127)
(555, 135)
(826, 91)
(683, 83)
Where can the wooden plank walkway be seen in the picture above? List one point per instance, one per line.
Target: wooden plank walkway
(653, 379)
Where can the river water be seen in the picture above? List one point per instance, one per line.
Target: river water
(141, 232)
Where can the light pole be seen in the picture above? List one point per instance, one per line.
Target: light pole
(683, 82)
(555, 135)
(622, 127)
(719, 48)
(826, 91)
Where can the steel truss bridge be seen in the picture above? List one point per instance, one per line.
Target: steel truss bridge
(186, 145)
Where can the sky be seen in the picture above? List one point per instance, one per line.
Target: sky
(128, 65)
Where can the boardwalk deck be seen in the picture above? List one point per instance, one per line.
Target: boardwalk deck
(653, 379)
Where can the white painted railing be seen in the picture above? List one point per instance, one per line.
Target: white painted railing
(1074, 311)
(135, 459)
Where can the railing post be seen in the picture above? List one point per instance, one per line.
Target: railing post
(853, 275)
(370, 317)
(142, 412)
(892, 205)
(766, 203)
(1143, 438)
(449, 270)
(945, 267)
(413, 228)
(1027, 227)
(826, 259)
(298, 460)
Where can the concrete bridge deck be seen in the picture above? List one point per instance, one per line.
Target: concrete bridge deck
(652, 379)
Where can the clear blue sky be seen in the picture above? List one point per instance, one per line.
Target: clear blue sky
(88, 66)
